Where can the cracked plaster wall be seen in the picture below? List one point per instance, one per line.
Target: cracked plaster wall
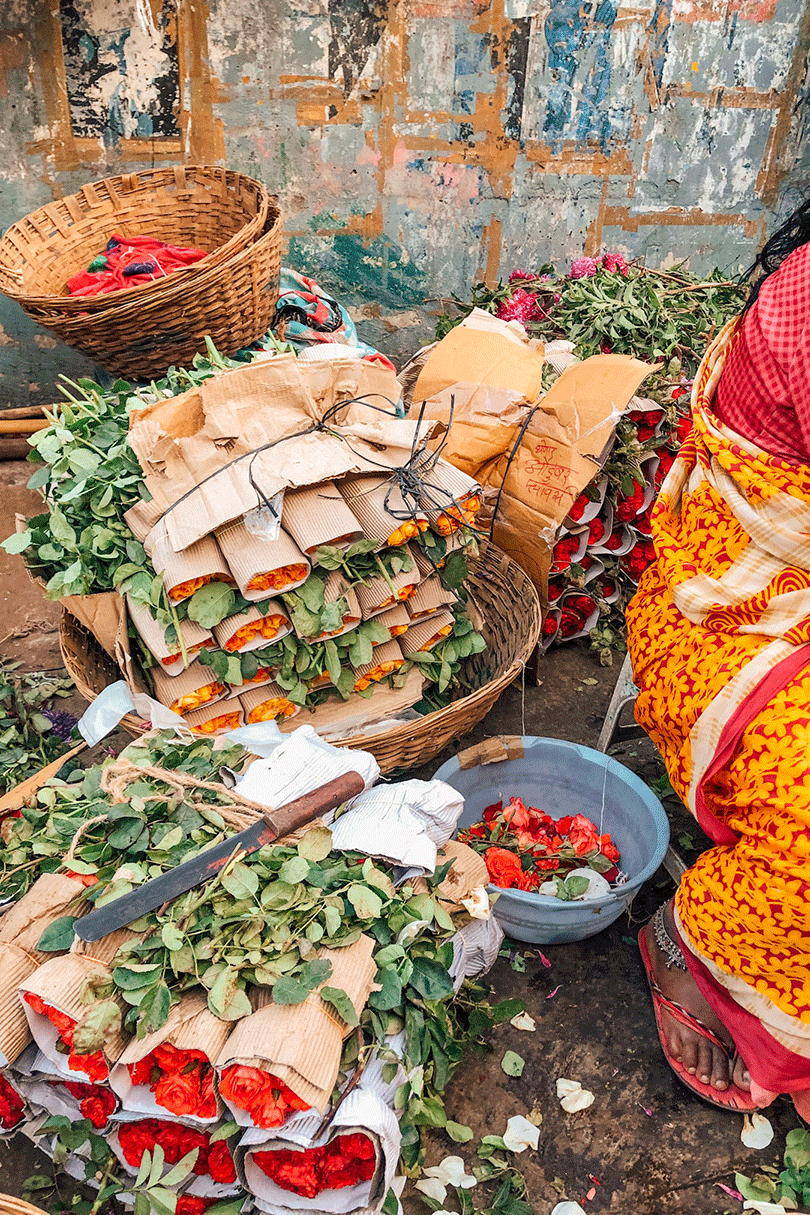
(417, 144)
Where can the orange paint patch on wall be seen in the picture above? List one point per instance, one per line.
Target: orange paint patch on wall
(720, 10)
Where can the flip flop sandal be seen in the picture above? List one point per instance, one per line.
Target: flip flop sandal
(732, 1098)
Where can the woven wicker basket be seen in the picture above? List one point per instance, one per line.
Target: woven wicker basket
(15, 1206)
(138, 333)
(511, 627)
(210, 208)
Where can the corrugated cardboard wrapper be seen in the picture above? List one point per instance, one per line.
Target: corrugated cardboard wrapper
(226, 629)
(61, 983)
(301, 1044)
(197, 718)
(387, 651)
(337, 718)
(429, 597)
(423, 634)
(364, 1110)
(190, 1026)
(249, 555)
(396, 619)
(560, 451)
(20, 929)
(468, 873)
(142, 517)
(377, 503)
(372, 595)
(319, 515)
(171, 688)
(253, 697)
(153, 635)
(493, 377)
(200, 560)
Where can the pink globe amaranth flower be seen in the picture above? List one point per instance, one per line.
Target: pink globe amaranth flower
(521, 306)
(583, 267)
(613, 262)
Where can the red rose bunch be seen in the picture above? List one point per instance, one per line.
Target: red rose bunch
(555, 589)
(192, 1204)
(550, 626)
(177, 1141)
(615, 540)
(679, 391)
(182, 1080)
(93, 1065)
(521, 306)
(521, 845)
(607, 588)
(345, 1161)
(645, 422)
(629, 505)
(563, 553)
(638, 559)
(11, 1105)
(683, 428)
(579, 507)
(596, 530)
(96, 1102)
(643, 523)
(665, 461)
(576, 611)
(267, 1099)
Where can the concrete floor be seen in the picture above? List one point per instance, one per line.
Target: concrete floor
(653, 1147)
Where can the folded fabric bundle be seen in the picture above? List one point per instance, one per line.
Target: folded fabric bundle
(129, 261)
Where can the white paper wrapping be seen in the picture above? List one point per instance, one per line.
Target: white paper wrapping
(364, 1111)
(402, 823)
(302, 763)
(475, 948)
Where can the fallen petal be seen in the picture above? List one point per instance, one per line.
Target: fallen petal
(757, 1131)
(573, 1097)
(544, 960)
(552, 994)
(731, 1193)
(524, 1021)
(520, 1134)
(765, 1208)
(568, 1208)
(431, 1187)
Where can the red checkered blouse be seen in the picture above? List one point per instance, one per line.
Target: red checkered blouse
(764, 391)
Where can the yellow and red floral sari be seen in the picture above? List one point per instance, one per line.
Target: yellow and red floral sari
(719, 635)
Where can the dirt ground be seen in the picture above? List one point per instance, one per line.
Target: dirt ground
(646, 1146)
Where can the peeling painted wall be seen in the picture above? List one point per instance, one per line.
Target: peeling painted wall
(418, 144)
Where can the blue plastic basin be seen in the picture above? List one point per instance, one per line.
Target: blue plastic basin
(563, 778)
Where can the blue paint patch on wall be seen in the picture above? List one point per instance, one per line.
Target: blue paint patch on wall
(578, 38)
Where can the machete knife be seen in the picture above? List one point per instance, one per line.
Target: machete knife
(274, 825)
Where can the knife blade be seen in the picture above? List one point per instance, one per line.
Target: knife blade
(275, 824)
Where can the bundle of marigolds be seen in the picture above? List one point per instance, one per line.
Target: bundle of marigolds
(525, 849)
(261, 1034)
(605, 305)
(301, 568)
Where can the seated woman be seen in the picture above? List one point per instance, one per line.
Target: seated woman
(719, 635)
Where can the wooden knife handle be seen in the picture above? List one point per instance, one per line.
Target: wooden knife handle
(304, 809)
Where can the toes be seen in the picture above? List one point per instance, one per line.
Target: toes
(720, 1076)
(705, 1063)
(689, 1054)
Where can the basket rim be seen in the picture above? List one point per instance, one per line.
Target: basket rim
(249, 233)
(433, 722)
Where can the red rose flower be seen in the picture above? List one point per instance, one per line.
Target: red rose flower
(241, 1085)
(570, 622)
(582, 835)
(684, 427)
(550, 625)
(628, 506)
(11, 1105)
(504, 868)
(678, 391)
(179, 1092)
(220, 1164)
(563, 553)
(135, 1138)
(555, 589)
(190, 1204)
(615, 540)
(596, 530)
(290, 1170)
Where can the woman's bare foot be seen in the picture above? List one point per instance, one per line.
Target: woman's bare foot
(700, 1057)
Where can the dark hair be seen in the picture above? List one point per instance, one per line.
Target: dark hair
(794, 233)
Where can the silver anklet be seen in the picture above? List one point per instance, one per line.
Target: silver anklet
(665, 943)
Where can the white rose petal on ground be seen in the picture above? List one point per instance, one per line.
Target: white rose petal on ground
(431, 1187)
(573, 1097)
(450, 1171)
(520, 1134)
(568, 1208)
(524, 1021)
(765, 1208)
(757, 1131)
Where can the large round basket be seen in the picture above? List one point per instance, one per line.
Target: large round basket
(15, 1206)
(510, 626)
(139, 332)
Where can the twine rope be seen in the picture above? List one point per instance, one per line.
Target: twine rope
(122, 772)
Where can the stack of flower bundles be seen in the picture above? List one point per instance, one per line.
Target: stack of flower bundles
(278, 536)
(256, 1035)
